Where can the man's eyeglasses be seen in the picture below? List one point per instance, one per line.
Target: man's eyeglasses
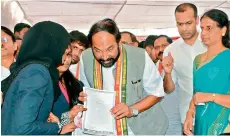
(4, 40)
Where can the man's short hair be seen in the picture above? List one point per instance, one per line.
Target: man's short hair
(9, 32)
(141, 44)
(183, 7)
(150, 40)
(133, 37)
(18, 27)
(107, 25)
(169, 40)
(79, 37)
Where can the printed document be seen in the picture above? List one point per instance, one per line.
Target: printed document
(98, 120)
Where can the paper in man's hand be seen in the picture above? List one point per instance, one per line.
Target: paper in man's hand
(98, 120)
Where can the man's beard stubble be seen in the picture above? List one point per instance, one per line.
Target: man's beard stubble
(75, 60)
(160, 55)
(112, 61)
(188, 35)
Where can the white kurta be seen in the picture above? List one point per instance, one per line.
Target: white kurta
(182, 73)
(73, 70)
(5, 72)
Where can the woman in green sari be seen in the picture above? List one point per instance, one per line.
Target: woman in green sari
(210, 104)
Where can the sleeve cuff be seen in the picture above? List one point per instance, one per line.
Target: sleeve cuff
(65, 119)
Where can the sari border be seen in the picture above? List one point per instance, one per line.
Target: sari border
(200, 64)
(215, 125)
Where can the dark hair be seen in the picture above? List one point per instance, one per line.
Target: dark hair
(141, 44)
(169, 40)
(183, 7)
(79, 37)
(73, 87)
(18, 27)
(10, 33)
(222, 21)
(107, 25)
(133, 37)
(150, 40)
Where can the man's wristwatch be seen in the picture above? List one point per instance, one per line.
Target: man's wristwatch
(135, 112)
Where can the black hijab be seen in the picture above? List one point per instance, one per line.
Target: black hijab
(44, 43)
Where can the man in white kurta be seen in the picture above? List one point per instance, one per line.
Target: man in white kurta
(143, 83)
(79, 43)
(179, 56)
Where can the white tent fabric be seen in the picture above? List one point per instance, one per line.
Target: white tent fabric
(142, 17)
(11, 13)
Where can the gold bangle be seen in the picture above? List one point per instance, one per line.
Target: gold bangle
(213, 97)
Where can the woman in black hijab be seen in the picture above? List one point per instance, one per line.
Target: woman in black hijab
(31, 89)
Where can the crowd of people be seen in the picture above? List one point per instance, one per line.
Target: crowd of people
(163, 87)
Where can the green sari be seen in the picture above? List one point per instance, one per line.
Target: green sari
(212, 76)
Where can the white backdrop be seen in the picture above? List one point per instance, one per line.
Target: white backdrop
(141, 17)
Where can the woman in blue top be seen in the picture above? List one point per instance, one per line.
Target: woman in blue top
(32, 87)
(67, 105)
(210, 104)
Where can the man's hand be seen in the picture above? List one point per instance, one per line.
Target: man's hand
(167, 63)
(121, 110)
(68, 128)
